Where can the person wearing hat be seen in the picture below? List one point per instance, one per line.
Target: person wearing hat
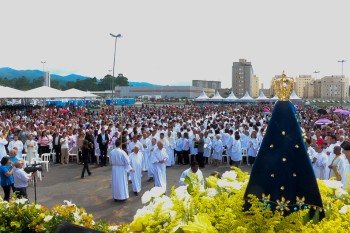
(346, 151)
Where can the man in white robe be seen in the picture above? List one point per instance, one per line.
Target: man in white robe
(3, 143)
(336, 168)
(207, 147)
(170, 149)
(145, 141)
(158, 159)
(346, 151)
(120, 166)
(17, 145)
(217, 150)
(319, 163)
(136, 164)
(152, 149)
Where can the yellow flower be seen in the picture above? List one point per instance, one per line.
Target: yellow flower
(199, 225)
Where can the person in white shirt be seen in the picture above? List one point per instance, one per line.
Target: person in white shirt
(145, 141)
(21, 179)
(253, 146)
(64, 148)
(195, 170)
(236, 151)
(319, 163)
(217, 150)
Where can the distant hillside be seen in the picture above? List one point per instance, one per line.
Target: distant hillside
(10, 73)
(142, 84)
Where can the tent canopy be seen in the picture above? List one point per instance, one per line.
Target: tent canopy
(10, 93)
(75, 93)
(202, 97)
(216, 97)
(246, 98)
(262, 96)
(231, 98)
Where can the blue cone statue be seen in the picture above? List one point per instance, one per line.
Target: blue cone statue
(282, 175)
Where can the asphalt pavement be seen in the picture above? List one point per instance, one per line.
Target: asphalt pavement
(63, 182)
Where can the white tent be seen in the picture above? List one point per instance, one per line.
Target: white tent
(75, 93)
(231, 98)
(44, 92)
(294, 96)
(273, 99)
(202, 97)
(217, 97)
(261, 97)
(10, 93)
(246, 98)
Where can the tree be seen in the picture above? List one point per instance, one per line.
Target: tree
(121, 80)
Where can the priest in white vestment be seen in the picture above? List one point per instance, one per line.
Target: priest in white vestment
(17, 145)
(136, 163)
(346, 151)
(319, 163)
(120, 166)
(145, 141)
(336, 168)
(3, 143)
(159, 158)
(151, 150)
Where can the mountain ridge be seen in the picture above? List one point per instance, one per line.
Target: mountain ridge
(11, 73)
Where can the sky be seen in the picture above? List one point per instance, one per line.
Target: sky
(174, 42)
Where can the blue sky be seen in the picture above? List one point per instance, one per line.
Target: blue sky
(173, 42)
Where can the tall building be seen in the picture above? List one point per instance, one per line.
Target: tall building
(255, 89)
(207, 84)
(242, 78)
(332, 87)
(266, 91)
(300, 84)
(309, 90)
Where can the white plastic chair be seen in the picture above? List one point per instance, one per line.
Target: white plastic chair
(37, 161)
(245, 154)
(45, 159)
(73, 152)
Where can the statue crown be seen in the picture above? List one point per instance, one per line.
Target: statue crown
(283, 87)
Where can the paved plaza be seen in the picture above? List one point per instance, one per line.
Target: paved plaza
(63, 182)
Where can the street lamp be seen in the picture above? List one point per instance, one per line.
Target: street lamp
(43, 62)
(316, 72)
(341, 83)
(115, 48)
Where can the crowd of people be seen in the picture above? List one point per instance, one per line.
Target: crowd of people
(148, 139)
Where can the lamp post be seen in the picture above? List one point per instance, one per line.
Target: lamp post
(115, 48)
(43, 62)
(341, 82)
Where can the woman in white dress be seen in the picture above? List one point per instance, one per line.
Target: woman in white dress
(236, 152)
(217, 150)
(253, 146)
(207, 148)
(31, 148)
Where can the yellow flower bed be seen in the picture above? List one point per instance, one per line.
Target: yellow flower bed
(217, 207)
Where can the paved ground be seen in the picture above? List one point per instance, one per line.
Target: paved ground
(63, 182)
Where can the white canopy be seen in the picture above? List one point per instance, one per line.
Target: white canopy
(275, 98)
(216, 97)
(294, 96)
(261, 96)
(10, 93)
(75, 93)
(231, 98)
(44, 92)
(246, 98)
(202, 97)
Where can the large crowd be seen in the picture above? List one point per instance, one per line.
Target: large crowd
(136, 139)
